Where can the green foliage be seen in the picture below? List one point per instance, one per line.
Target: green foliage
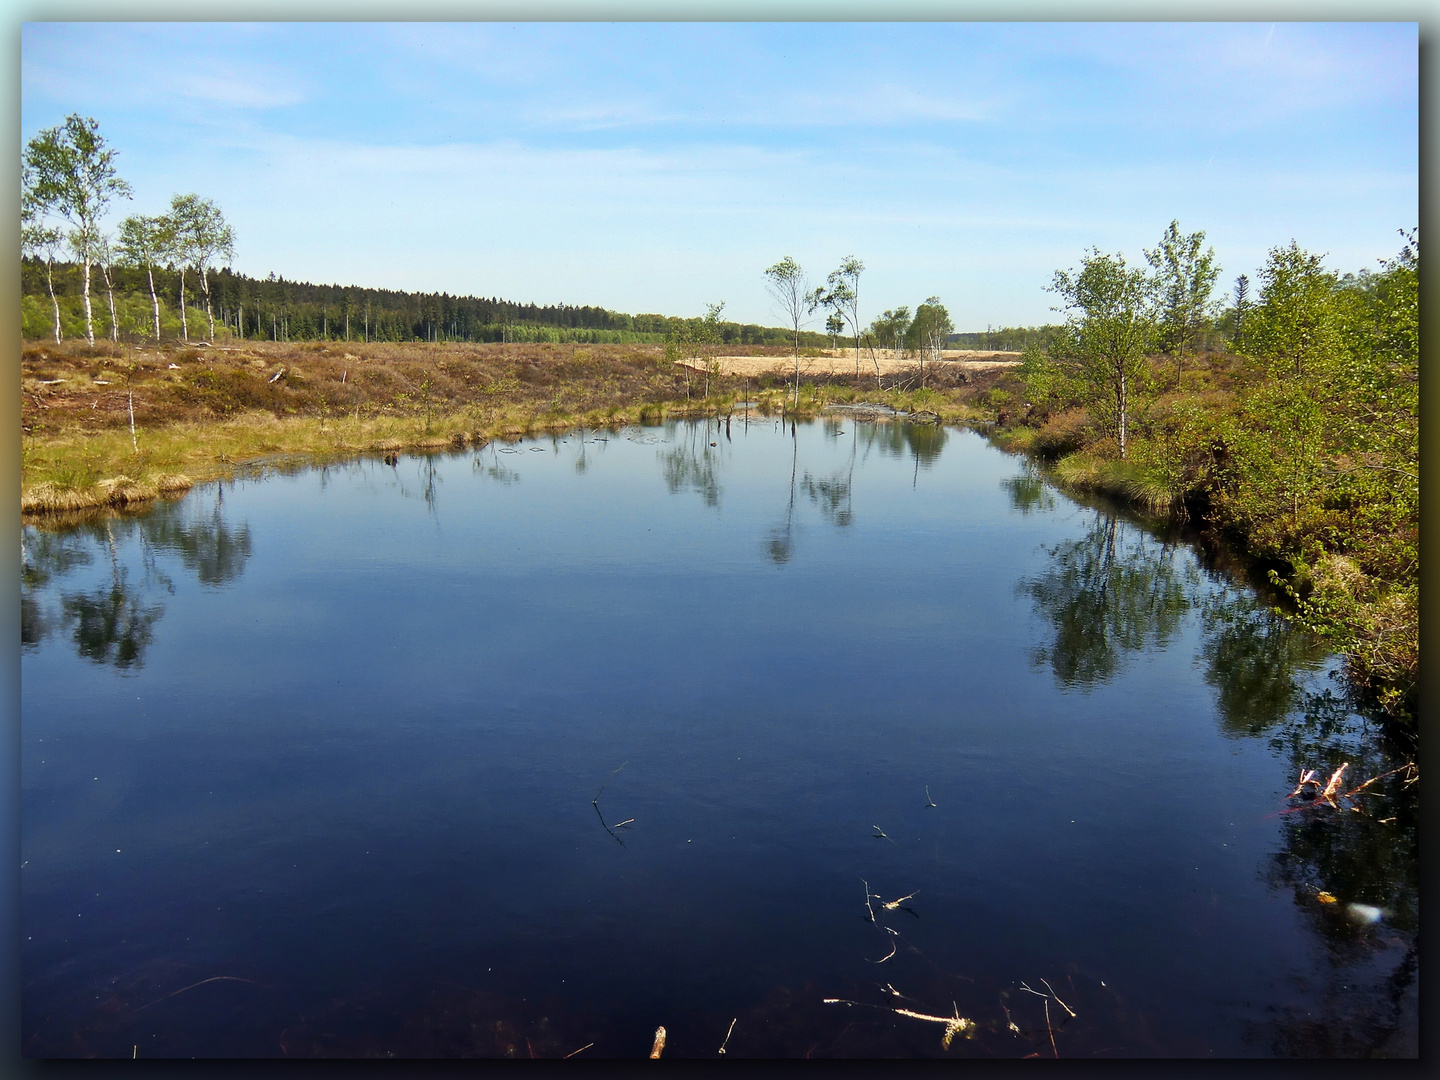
(1184, 279)
(1045, 380)
(1109, 332)
(890, 328)
(1306, 448)
(1295, 328)
(930, 328)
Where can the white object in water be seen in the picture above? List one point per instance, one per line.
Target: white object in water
(1364, 913)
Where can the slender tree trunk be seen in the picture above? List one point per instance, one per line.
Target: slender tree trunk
(205, 282)
(154, 300)
(54, 303)
(110, 295)
(184, 325)
(89, 324)
(1123, 406)
(797, 365)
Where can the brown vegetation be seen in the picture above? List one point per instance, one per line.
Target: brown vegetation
(197, 411)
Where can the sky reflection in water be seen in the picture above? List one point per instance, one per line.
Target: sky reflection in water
(339, 736)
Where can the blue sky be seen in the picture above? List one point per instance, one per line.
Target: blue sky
(653, 167)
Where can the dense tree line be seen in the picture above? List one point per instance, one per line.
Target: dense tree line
(277, 309)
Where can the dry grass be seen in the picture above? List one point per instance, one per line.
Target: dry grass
(199, 412)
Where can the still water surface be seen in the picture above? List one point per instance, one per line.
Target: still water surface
(313, 765)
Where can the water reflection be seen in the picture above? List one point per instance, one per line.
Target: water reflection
(1354, 875)
(1251, 658)
(693, 462)
(209, 548)
(780, 543)
(1028, 491)
(1112, 592)
(112, 625)
(923, 442)
(112, 621)
(831, 494)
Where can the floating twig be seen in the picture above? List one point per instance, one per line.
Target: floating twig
(606, 827)
(888, 989)
(202, 982)
(727, 1036)
(1330, 792)
(1057, 998)
(572, 1053)
(868, 896)
(607, 781)
(893, 948)
(595, 802)
(954, 1025)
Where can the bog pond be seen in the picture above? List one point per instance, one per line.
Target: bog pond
(796, 740)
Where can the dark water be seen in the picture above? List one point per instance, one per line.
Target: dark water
(311, 763)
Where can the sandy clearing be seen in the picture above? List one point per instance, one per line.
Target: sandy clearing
(842, 362)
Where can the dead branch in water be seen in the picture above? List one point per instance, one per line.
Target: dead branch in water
(595, 802)
(659, 1042)
(727, 1036)
(607, 781)
(954, 1025)
(1310, 789)
(893, 948)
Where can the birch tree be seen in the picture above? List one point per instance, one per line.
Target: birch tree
(1184, 279)
(842, 295)
(201, 238)
(142, 242)
(931, 329)
(1109, 329)
(106, 259)
(790, 287)
(38, 237)
(73, 174)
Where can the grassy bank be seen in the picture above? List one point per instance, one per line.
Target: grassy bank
(1301, 477)
(197, 412)
(1203, 446)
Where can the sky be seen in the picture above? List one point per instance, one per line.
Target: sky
(660, 167)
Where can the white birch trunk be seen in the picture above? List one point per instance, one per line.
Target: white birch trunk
(154, 300)
(89, 324)
(1123, 404)
(205, 281)
(110, 295)
(184, 325)
(50, 283)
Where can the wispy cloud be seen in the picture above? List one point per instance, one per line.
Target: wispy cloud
(652, 167)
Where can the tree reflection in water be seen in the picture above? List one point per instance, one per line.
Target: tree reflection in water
(1111, 592)
(1353, 874)
(112, 621)
(693, 464)
(1028, 491)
